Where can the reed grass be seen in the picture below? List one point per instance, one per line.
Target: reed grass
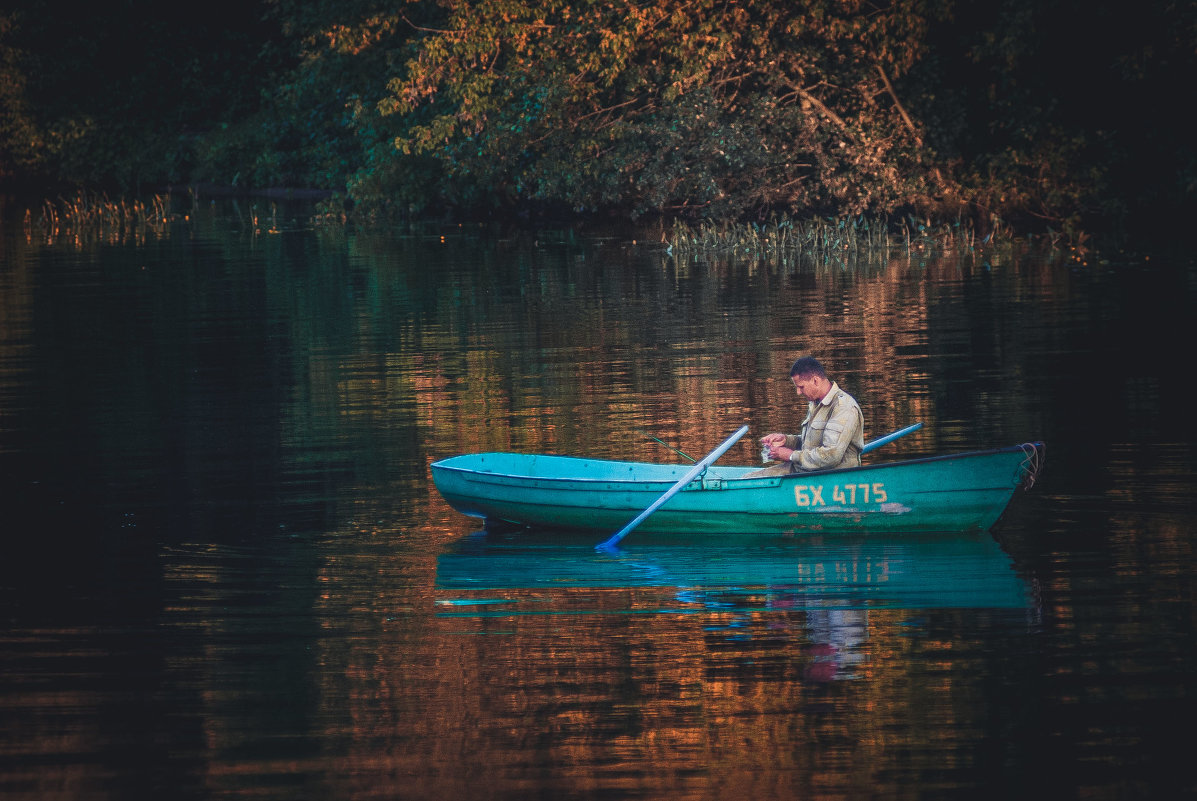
(96, 215)
(831, 239)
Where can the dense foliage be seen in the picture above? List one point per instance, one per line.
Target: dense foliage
(675, 105)
(1061, 111)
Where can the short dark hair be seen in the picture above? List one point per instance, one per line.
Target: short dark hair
(807, 365)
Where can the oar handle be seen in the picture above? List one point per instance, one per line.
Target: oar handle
(888, 438)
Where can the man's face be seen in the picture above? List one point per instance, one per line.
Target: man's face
(809, 387)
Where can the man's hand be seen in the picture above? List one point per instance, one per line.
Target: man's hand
(775, 445)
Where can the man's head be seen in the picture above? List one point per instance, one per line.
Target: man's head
(809, 379)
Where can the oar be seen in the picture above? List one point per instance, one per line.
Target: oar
(888, 438)
(675, 489)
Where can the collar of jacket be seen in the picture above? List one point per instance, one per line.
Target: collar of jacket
(829, 398)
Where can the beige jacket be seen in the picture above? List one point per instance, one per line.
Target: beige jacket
(832, 434)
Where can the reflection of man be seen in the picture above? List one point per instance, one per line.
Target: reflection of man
(832, 433)
(836, 638)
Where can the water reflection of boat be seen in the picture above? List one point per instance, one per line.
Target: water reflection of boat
(845, 571)
(959, 492)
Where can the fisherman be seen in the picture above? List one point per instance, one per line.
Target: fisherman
(832, 433)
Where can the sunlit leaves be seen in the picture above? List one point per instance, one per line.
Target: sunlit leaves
(694, 105)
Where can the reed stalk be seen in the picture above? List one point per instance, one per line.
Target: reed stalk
(826, 239)
(88, 215)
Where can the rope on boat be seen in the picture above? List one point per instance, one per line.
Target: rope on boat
(1036, 455)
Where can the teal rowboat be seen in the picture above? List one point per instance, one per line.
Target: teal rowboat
(952, 493)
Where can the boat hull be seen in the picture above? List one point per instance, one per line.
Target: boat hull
(960, 492)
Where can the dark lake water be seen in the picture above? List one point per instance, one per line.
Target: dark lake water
(225, 572)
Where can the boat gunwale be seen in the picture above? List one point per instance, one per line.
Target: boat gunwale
(728, 480)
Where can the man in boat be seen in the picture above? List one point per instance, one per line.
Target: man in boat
(832, 433)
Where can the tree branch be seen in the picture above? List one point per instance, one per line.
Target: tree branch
(889, 88)
(818, 104)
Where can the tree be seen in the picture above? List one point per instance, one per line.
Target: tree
(116, 94)
(703, 106)
(18, 134)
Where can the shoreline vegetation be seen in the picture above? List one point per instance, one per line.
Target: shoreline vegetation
(89, 216)
(93, 215)
(820, 126)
